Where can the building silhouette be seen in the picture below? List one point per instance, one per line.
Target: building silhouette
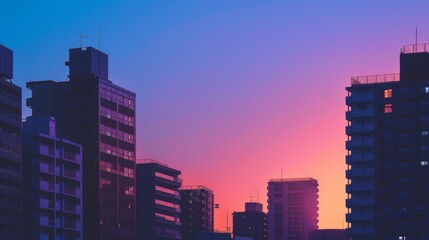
(158, 198)
(388, 151)
(10, 150)
(250, 223)
(292, 208)
(197, 210)
(92, 111)
(52, 183)
(328, 234)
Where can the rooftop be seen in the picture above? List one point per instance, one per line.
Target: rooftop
(381, 78)
(294, 180)
(145, 161)
(196, 187)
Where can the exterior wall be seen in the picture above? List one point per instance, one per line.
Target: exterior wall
(197, 204)
(328, 234)
(10, 151)
(252, 223)
(211, 236)
(293, 208)
(388, 152)
(94, 112)
(52, 183)
(158, 208)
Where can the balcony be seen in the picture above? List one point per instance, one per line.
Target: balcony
(360, 172)
(169, 195)
(176, 183)
(47, 203)
(47, 186)
(358, 128)
(350, 159)
(361, 230)
(166, 208)
(365, 201)
(165, 221)
(359, 187)
(359, 98)
(365, 142)
(360, 113)
(360, 216)
(46, 168)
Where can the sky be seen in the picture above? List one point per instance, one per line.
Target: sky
(232, 93)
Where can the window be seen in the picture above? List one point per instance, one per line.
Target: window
(388, 93)
(425, 133)
(424, 163)
(388, 108)
(426, 89)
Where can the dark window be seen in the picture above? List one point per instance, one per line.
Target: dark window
(126, 128)
(126, 111)
(108, 104)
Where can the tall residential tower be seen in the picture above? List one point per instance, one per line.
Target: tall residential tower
(158, 198)
(92, 111)
(388, 151)
(52, 183)
(292, 208)
(197, 204)
(10, 150)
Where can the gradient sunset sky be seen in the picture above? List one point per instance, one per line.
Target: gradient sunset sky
(231, 92)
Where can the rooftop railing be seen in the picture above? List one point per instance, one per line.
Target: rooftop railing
(195, 187)
(151, 161)
(382, 78)
(415, 48)
(294, 180)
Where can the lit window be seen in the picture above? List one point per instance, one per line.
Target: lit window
(426, 89)
(424, 163)
(388, 108)
(388, 93)
(425, 133)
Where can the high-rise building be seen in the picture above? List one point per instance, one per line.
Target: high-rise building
(292, 208)
(158, 201)
(197, 206)
(388, 151)
(52, 183)
(92, 111)
(250, 223)
(10, 150)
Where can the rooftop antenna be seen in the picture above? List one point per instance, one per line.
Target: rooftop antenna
(416, 38)
(227, 224)
(81, 36)
(281, 173)
(99, 37)
(257, 199)
(251, 198)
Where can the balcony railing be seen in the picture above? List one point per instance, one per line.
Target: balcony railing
(415, 48)
(382, 78)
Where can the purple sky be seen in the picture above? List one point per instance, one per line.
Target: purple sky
(229, 92)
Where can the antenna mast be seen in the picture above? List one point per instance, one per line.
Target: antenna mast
(257, 199)
(81, 36)
(416, 40)
(99, 37)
